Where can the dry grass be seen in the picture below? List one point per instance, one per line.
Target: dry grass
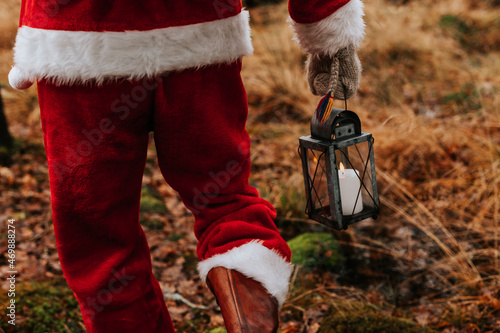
(430, 97)
(9, 18)
(274, 75)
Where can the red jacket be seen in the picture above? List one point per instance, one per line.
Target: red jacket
(78, 41)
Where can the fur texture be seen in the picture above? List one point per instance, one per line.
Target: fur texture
(343, 28)
(68, 57)
(19, 80)
(257, 262)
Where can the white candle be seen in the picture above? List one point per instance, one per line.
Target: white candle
(349, 188)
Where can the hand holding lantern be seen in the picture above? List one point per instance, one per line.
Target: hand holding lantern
(318, 68)
(338, 166)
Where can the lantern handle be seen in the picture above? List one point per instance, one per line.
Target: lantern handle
(340, 125)
(334, 73)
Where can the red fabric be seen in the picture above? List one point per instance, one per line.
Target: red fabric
(312, 11)
(96, 142)
(121, 15)
(97, 15)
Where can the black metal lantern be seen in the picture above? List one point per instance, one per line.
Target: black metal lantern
(339, 169)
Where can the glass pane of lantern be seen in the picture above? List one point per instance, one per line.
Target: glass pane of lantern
(357, 157)
(318, 203)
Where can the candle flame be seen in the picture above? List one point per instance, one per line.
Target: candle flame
(315, 159)
(342, 168)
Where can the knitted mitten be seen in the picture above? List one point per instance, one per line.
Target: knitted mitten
(319, 69)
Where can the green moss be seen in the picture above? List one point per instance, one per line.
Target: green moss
(190, 264)
(359, 318)
(473, 35)
(43, 307)
(152, 223)
(175, 237)
(151, 202)
(217, 330)
(291, 203)
(200, 318)
(455, 22)
(465, 100)
(316, 251)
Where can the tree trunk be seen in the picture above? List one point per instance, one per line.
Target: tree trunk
(6, 141)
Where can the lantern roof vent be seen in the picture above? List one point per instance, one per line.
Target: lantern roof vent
(340, 125)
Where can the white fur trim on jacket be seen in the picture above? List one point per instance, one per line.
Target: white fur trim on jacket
(257, 262)
(67, 57)
(337, 31)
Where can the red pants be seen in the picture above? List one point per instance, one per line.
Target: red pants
(96, 141)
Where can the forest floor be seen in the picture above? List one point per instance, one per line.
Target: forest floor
(430, 96)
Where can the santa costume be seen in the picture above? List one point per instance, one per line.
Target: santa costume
(108, 73)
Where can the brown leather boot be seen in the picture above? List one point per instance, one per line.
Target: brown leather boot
(246, 305)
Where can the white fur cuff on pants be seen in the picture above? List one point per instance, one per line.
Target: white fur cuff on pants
(257, 262)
